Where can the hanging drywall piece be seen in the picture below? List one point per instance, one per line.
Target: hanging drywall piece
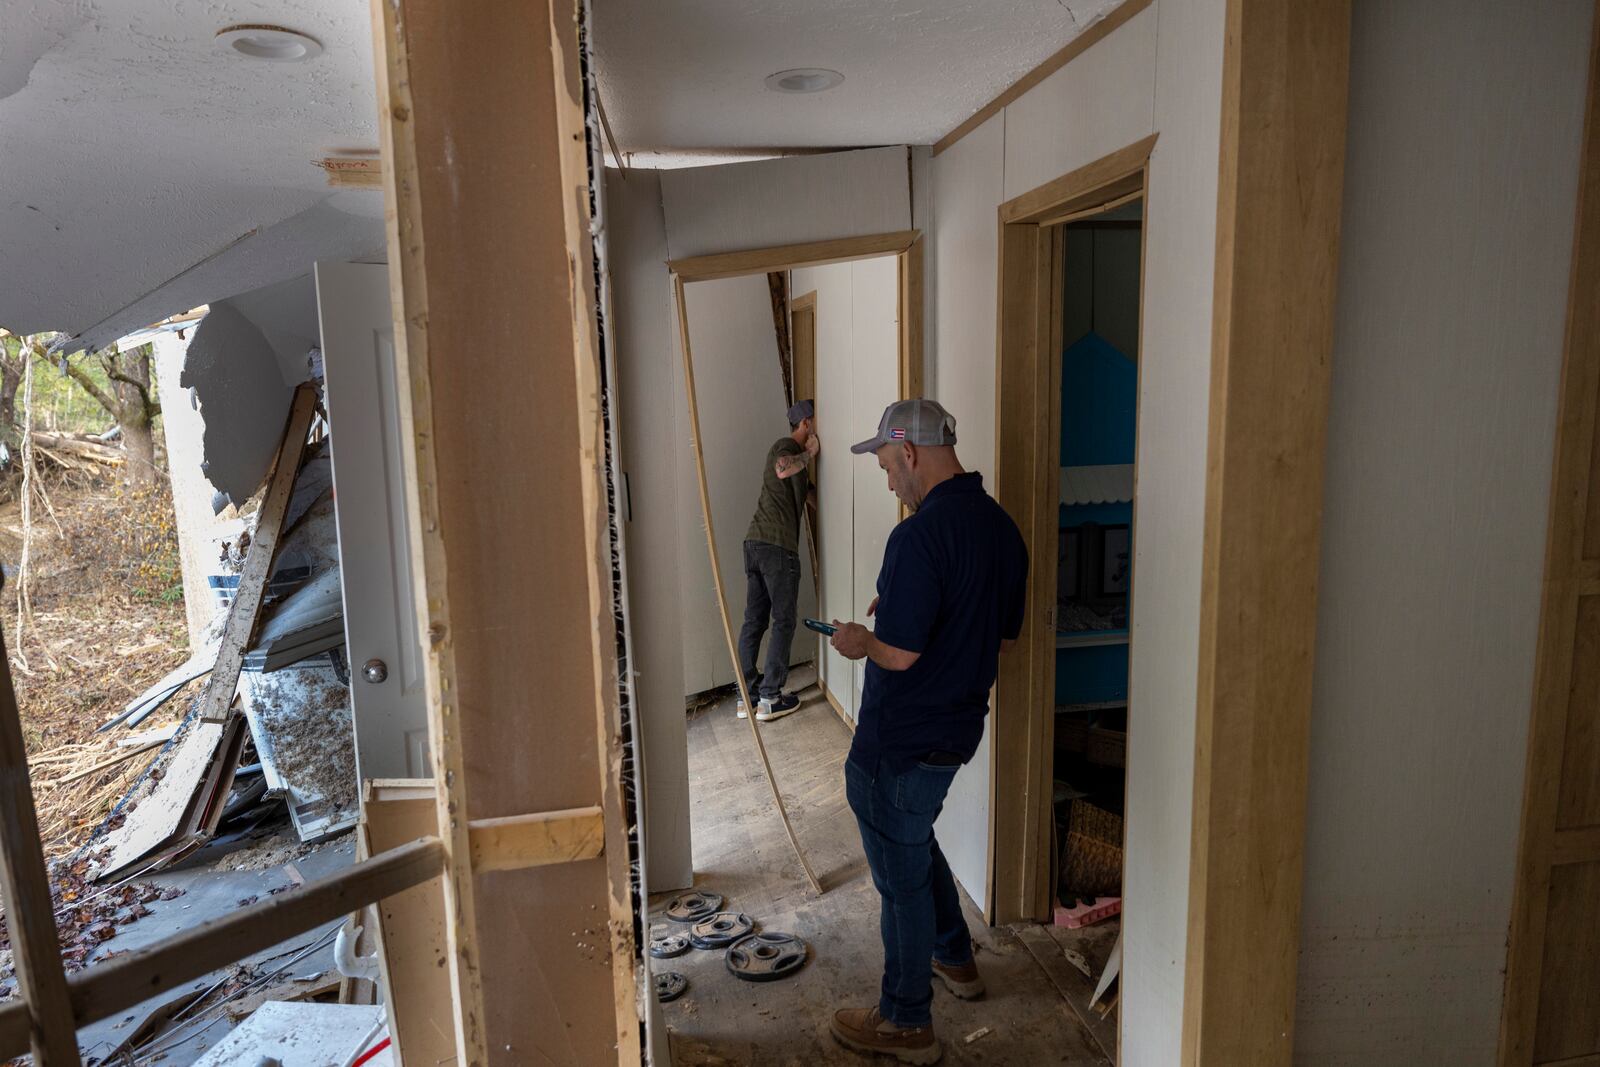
(243, 399)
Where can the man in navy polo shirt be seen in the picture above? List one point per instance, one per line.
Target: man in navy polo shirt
(950, 598)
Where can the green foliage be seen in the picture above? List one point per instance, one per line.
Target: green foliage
(61, 405)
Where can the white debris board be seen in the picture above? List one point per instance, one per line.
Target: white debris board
(163, 813)
(300, 1035)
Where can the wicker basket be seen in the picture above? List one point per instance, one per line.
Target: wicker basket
(1094, 851)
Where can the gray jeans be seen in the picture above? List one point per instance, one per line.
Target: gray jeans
(772, 587)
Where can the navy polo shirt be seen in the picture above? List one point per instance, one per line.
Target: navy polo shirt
(952, 586)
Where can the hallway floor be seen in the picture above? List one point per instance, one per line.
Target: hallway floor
(741, 852)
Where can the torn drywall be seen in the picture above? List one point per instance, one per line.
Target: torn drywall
(243, 398)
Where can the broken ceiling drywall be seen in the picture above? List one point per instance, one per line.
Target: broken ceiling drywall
(133, 146)
(347, 226)
(242, 396)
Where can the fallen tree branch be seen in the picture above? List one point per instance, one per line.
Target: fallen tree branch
(78, 446)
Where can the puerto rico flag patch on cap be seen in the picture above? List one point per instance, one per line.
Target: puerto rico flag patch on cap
(896, 433)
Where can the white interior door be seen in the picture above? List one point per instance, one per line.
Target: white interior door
(365, 413)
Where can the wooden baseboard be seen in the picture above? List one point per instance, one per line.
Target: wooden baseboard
(833, 702)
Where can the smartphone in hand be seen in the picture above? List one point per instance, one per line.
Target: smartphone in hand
(823, 628)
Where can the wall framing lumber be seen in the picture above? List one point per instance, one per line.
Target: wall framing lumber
(100, 991)
(911, 295)
(521, 841)
(1027, 485)
(521, 671)
(410, 925)
(787, 257)
(1072, 50)
(1546, 996)
(1284, 102)
(246, 607)
(44, 1021)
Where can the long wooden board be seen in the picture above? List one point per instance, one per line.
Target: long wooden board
(29, 909)
(716, 575)
(246, 607)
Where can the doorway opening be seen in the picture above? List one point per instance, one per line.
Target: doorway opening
(1071, 283)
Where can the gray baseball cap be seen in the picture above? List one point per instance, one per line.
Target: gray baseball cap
(918, 421)
(801, 409)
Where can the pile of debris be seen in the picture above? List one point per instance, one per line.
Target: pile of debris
(272, 721)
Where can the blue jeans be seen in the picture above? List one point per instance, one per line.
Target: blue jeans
(772, 588)
(921, 917)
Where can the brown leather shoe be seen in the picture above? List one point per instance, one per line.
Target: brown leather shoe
(963, 980)
(864, 1030)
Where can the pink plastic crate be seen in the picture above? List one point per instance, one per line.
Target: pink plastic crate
(1088, 914)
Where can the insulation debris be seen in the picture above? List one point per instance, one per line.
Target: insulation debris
(301, 720)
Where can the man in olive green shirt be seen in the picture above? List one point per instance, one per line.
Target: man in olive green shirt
(772, 562)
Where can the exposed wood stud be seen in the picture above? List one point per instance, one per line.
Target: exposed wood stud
(518, 841)
(353, 172)
(811, 254)
(101, 991)
(45, 1021)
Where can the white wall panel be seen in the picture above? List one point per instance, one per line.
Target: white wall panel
(858, 364)
(649, 401)
(1161, 71)
(835, 496)
(968, 186)
(1457, 237)
(1174, 386)
(1101, 101)
(786, 201)
(875, 384)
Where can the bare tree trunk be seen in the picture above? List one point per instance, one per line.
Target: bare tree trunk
(130, 402)
(10, 379)
(134, 415)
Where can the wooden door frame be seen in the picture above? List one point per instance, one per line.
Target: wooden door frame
(906, 247)
(803, 302)
(1571, 574)
(1028, 486)
(1280, 195)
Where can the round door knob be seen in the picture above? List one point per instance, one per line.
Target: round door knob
(375, 670)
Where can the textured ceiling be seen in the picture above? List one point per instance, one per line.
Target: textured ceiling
(136, 154)
(132, 146)
(689, 73)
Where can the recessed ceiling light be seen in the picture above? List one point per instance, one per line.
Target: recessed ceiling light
(804, 80)
(274, 44)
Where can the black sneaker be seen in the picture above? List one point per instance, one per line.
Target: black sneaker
(776, 707)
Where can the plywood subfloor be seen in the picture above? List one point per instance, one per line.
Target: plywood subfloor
(740, 851)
